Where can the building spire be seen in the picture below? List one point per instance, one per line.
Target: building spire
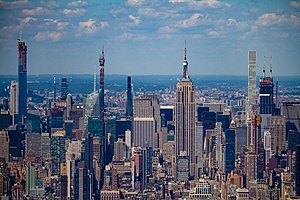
(185, 64)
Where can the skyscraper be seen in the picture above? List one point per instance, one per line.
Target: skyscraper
(266, 94)
(185, 117)
(129, 103)
(14, 100)
(251, 82)
(22, 79)
(64, 88)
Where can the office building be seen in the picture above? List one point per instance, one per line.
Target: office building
(64, 89)
(122, 125)
(45, 146)
(147, 106)
(33, 144)
(4, 145)
(92, 109)
(22, 79)
(57, 151)
(185, 117)
(143, 131)
(129, 102)
(14, 100)
(229, 150)
(278, 133)
(119, 150)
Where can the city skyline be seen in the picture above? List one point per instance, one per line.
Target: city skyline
(67, 37)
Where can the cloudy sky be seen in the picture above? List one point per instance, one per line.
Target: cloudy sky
(147, 36)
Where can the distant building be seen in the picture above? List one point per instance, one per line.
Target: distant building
(33, 144)
(22, 79)
(129, 102)
(14, 100)
(251, 82)
(143, 131)
(4, 145)
(57, 151)
(201, 191)
(147, 106)
(64, 88)
(229, 150)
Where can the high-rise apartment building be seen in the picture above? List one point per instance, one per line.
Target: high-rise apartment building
(185, 118)
(251, 82)
(14, 100)
(22, 79)
(129, 103)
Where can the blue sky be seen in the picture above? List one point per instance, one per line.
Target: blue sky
(147, 37)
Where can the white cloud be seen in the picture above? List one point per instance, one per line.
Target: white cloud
(295, 20)
(35, 11)
(167, 29)
(59, 25)
(27, 19)
(78, 3)
(131, 36)
(46, 35)
(194, 20)
(295, 4)
(212, 33)
(270, 19)
(203, 3)
(13, 4)
(91, 26)
(135, 2)
(149, 12)
(136, 21)
(74, 13)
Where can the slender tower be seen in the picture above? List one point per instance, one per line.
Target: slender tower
(185, 118)
(129, 103)
(101, 62)
(103, 137)
(22, 79)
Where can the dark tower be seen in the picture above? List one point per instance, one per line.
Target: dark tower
(22, 78)
(266, 94)
(64, 88)
(103, 137)
(129, 104)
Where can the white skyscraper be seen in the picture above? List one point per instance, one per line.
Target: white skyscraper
(251, 81)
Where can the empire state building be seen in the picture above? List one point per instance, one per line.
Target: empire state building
(185, 118)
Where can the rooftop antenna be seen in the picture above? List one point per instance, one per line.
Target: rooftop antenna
(271, 70)
(95, 77)
(21, 32)
(264, 67)
(277, 103)
(184, 49)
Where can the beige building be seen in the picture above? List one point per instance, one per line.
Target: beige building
(185, 118)
(4, 145)
(278, 133)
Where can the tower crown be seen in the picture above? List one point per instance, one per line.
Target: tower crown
(102, 59)
(185, 74)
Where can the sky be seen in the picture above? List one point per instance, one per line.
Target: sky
(146, 37)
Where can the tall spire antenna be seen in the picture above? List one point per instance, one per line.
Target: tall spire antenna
(264, 67)
(271, 70)
(184, 49)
